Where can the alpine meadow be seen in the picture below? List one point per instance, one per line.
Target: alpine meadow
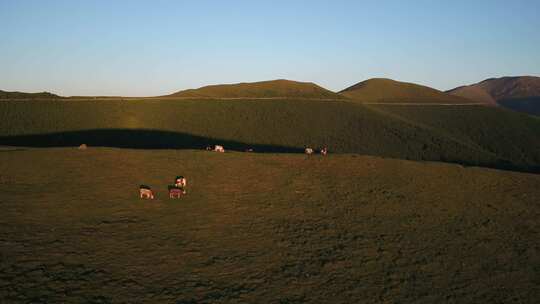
(161, 152)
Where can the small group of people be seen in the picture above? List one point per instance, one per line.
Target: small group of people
(175, 191)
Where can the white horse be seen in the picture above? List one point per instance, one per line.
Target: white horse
(218, 148)
(324, 151)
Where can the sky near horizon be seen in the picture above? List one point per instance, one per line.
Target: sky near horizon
(148, 48)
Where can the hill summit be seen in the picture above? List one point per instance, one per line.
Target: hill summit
(520, 93)
(280, 88)
(387, 90)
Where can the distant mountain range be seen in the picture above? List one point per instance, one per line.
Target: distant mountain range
(516, 93)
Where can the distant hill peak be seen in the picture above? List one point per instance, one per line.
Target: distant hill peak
(279, 88)
(503, 88)
(520, 93)
(383, 90)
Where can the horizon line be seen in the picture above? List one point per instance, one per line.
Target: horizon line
(258, 81)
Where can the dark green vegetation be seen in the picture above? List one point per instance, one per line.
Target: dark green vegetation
(517, 93)
(471, 135)
(265, 89)
(511, 136)
(262, 228)
(380, 90)
(26, 96)
(529, 105)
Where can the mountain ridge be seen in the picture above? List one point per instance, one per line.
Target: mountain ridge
(519, 93)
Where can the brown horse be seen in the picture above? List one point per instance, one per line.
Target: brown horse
(175, 192)
(146, 193)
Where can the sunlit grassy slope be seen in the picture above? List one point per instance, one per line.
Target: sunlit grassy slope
(472, 135)
(391, 91)
(280, 88)
(263, 228)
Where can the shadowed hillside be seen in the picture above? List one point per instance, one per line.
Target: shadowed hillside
(22, 95)
(471, 135)
(529, 105)
(264, 89)
(136, 139)
(391, 91)
(517, 93)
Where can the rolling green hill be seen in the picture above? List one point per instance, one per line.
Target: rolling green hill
(265, 89)
(521, 93)
(473, 93)
(390, 91)
(471, 135)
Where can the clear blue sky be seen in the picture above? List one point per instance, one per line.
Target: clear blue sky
(140, 48)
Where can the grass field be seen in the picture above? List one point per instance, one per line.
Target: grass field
(263, 228)
(470, 135)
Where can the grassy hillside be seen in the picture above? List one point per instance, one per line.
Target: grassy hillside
(520, 94)
(473, 93)
(265, 89)
(391, 91)
(473, 135)
(529, 105)
(31, 96)
(511, 87)
(261, 228)
(509, 135)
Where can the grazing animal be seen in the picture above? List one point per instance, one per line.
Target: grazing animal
(324, 151)
(176, 192)
(146, 192)
(309, 151)
(218, 148)
(180, 182)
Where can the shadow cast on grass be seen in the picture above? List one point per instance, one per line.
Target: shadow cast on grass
(529, 105)
(136, 139)
(154, 139)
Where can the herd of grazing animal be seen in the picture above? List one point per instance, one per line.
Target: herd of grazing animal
(311, 151)
(175, 191)
(179, 188)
